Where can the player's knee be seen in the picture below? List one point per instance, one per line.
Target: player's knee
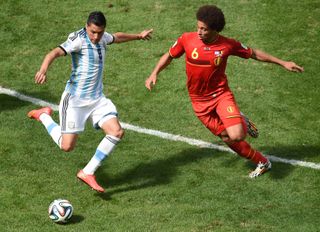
(119, 133)
(237, 137)
(67, 147)
(232, 137)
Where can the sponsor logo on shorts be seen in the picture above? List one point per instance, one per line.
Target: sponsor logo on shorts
(71, 125)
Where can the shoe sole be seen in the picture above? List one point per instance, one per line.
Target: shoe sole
(97, 190)
(261, 173)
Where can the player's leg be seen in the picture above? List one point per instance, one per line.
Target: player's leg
(72, 120)
(65, 141)
(235, 132)
(239, 131)
(104, 116)
(244, 149)
(227, 123)
(230, 119)
(44, 116)
(216, 126)
(113, 134)
(68, 141)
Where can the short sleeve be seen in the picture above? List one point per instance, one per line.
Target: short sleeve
(73, 43)
(177, 49)
(108, 38)
(241, 50)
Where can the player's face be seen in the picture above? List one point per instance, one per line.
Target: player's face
(94, 32)
(206, 34)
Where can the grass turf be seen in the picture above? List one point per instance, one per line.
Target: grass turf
(153, 184)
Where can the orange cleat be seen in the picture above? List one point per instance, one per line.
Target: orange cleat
(35, 114)
(90, 180)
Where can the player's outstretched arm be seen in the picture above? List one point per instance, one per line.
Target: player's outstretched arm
(164, 61)
(265, 57)
(41, 75)
(121, 37)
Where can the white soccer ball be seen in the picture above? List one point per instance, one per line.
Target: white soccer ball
(60, 211)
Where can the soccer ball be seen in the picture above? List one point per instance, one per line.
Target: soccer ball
(60, 211)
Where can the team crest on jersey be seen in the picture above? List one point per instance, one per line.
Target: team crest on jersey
(218, 58)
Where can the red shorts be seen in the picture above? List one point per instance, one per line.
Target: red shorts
(217, 113)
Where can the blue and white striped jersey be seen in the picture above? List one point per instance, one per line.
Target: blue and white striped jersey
(87, 64)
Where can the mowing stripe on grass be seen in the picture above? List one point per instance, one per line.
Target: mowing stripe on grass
(160, 134)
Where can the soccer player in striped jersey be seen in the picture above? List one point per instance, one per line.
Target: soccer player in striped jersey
(206, 53)
(83, 96)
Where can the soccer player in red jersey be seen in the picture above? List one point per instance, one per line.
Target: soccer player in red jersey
(206, 53)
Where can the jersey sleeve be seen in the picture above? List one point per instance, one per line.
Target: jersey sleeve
(177, 49)
(108, 38)
(73, 43)
(239, 49)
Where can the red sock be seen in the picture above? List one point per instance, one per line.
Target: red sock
(244, 149)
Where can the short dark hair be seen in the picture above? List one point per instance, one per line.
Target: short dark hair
(212, 16)
(97, 18)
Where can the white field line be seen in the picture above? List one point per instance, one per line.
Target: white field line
(160, 134)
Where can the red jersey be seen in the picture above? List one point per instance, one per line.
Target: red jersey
(206, 63)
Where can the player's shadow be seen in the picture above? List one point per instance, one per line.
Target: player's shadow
(161, 171)
(296, 152)
(156, 172)
(46, 95)
(11, 103)
(76, 219)
(290, 154)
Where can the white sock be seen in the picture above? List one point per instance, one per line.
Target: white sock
(52, 127)
(104, 149)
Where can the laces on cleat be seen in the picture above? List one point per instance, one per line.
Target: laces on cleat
(260, 169)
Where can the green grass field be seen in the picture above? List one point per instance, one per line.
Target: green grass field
(155, 184)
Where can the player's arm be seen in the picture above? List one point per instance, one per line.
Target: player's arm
(41, 75)
(164, 61)
(121, 37)
(265, 57)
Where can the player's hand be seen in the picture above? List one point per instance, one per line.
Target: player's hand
(40, 77)
(146, 34)
(150, 82)
(293, 67)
